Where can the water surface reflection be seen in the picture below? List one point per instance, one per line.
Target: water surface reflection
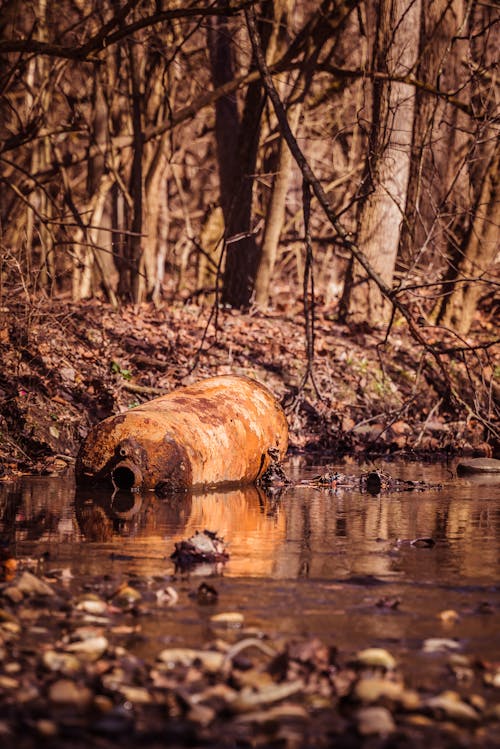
(311, 533)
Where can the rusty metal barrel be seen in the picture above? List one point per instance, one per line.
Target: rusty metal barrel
(220, 431)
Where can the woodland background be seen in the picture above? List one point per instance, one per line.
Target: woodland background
(332, 166)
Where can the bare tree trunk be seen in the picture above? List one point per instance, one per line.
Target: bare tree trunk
(438, 182)
(131, 284)
(388, 163)
(237, 146)
(275, 216)
(481, 248)
(211, 243)
(162, 239)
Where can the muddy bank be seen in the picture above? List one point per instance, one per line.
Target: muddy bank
(64, 367)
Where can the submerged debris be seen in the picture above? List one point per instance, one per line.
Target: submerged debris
(204, 546)
(372, 482)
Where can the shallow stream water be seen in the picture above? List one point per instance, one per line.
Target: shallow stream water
(336, 564)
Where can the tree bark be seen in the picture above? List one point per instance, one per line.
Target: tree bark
(388, 163)
(473, 265)
(275, 217)
(237, 146)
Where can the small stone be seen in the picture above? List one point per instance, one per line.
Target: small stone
(376, 658)
(46, 728)
(7, 682)
(373, 689)
(92, 606)
(91, 649)
(211, 660)
(478, 465)
(449, 616)
(492, 678)
(375, 721)
(64, 663)
(450, 704)
(228, 619)
(67, 692)
(32, 586)
(203, 715)
(126, 595)
(439, 645)
(135, 695)
(13, 594)
(103, 704)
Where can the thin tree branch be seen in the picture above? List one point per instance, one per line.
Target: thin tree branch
(320, 194)
(104, 39)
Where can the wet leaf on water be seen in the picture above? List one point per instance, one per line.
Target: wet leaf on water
(485, 607)
(203, 546)
(388, 603)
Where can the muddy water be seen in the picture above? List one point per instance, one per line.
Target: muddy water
(313, 562)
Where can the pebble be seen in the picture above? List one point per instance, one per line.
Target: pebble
(286, 712)
(32, 586)
(249, 699)
(211, 660)
(13, 594)
(8, 682)
(64, 663)
(373, 689)
(449, 616)
(228, 619)
(376, 658)
(478, 465)
(439, 645)
(92, 606)
(91, 649)
(203, 715)
(68, 692)
(136, 695)
(46, 728)
(375, 721)
(450, 704)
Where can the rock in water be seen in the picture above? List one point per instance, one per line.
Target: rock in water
(218, 431)
(478, 465)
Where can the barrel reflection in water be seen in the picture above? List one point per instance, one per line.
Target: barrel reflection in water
(253, 525)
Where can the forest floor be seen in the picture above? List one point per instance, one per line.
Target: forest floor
(63, 367)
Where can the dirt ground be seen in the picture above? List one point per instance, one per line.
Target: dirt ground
(63, 367)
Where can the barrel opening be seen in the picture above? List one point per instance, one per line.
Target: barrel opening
(123, 477)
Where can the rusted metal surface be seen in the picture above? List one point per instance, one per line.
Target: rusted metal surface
(218, 431)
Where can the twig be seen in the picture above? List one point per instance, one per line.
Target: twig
(429, 417)
(145, 389)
